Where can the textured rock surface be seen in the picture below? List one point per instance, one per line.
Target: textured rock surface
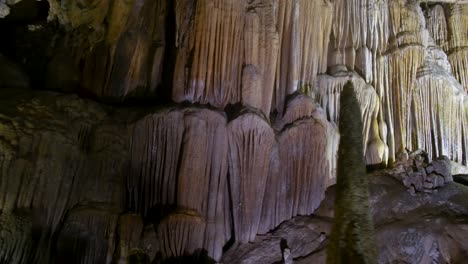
(421, 228)
(238, 132)
(419, 175)
(82, 166)
(257, 53)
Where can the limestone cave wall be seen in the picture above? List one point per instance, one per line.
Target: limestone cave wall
(170, 127)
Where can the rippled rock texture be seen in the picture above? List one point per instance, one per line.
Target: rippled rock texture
(215, 121)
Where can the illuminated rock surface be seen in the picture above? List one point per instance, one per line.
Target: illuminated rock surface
(197, 124)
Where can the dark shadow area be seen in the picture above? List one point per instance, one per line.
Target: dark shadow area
(461, 178)
(375, 167)
(28, 40)
(158, 212)
(164, 93)
(200, 256)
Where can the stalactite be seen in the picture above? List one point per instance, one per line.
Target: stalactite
(459, 61)
(360, 32)
(208, 68)
(328, 93)
(16, 241)
(129, 230)
(155, 151)
(457, 20)
(437, 26)
(87, 236)
(302, 163)
(439, 114)
(406, 21)
(303, 166)
(314, 27)
(350, 25)
(227, 54)
(286, 67)
(180, 233)
(378, 30)
(196, 176)
(394, 73)
(128, 59)
(250, 142)
(402, 69)
(75, 14)
(261, 51)
(179, 158)
(202, 175)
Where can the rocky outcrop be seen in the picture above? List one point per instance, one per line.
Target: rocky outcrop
(410, 228)
(419, 175)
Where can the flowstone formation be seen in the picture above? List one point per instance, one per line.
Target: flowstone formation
(185, 128)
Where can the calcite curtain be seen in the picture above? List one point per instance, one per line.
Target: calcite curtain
(246, 135)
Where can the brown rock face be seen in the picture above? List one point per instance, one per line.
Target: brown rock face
(216, 122)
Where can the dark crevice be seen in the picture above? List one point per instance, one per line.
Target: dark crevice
(165, 90)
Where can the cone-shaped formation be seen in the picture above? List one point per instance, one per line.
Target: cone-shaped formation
(352, 238)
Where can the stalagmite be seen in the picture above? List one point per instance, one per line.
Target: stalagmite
(238, 128)
(352, 238)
